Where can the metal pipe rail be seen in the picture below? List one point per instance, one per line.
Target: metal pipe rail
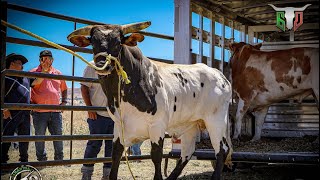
(258, 157)
(72, 19)
(8, 72)
(18, 106)
(36, 138)
(73, 161)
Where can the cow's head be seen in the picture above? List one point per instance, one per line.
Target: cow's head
(236, 49)
(107, 39)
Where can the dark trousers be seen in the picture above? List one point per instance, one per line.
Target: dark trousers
(102, 125)
(21, 122)
(52, 121)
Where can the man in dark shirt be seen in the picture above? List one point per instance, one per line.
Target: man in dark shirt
(17, 90)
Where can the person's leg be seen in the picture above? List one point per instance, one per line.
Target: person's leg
(136, 151)
(24, 129)
(8, 130)
(55, 128)
(40, 123)
(109, 125)
(93, 147)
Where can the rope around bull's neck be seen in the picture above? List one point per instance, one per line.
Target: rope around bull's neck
(118, 67)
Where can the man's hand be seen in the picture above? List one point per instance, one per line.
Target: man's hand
(92, 115)
(6, 114)
(63, 104)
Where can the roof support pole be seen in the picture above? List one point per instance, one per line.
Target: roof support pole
(182, 32)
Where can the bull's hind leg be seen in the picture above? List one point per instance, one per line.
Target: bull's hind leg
(188, 143)
(241, 111)
(117, 150)
(259, 117)
(220, 139)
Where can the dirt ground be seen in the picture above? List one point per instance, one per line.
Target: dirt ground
(194, 170)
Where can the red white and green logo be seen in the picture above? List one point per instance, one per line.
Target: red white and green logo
(289, 17)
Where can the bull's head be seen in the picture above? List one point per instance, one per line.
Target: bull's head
(107, 39)
(236, 48)
(289, 13)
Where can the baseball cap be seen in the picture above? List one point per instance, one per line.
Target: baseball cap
(45, 53)
(12, 57)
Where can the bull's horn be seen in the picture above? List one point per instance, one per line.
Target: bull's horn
(302, 8)
(276, 8)
(78, 37)
(134, 27)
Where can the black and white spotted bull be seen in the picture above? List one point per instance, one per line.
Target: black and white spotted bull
(178, 99)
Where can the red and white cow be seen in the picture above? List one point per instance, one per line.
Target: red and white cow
(260, 78)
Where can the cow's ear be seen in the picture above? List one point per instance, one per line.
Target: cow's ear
(231, 46)
(258, 46)
(133, 39)
(80, 41)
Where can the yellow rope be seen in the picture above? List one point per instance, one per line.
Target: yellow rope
(118, 67)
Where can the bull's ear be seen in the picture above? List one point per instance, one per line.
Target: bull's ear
(258, 46)
(232, 46)
(80, 41)
(133, 39)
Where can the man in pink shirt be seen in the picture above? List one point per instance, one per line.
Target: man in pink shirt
(48, 91)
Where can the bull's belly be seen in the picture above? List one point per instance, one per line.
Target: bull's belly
(267, 98)
(177, 130)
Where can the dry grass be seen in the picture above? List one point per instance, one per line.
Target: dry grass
(195, 169)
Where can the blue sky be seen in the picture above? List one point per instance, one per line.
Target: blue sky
(159, 12)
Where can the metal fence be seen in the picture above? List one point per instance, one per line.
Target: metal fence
(17, 106)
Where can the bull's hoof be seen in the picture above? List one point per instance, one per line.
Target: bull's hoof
(229, 169)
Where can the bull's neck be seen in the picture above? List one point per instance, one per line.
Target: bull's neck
(142, 90)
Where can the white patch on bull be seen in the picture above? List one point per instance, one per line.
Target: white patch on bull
(107, 31)
(189, 110)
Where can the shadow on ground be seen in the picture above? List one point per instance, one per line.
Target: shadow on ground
(264, 172)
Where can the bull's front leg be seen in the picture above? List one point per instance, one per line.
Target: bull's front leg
(117, 150)
(157, 133)
(156, 156)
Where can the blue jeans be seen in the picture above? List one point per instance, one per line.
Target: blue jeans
(102, 125)
(52, 121)
(135, 149)
(20, 122)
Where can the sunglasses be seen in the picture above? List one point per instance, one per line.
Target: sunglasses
(44, 59)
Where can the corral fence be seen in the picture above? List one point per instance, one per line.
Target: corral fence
(16, 106)
(184, 36)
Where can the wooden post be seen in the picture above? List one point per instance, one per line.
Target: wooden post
(212, 39)
(182, 32)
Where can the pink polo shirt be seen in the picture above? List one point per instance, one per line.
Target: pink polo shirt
(48, 92)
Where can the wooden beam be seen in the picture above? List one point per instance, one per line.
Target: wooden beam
(182, 32)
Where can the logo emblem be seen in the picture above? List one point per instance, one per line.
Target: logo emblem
(285, 17)
(25, 172)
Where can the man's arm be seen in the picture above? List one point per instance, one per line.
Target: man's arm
(86, 98)
(64, 95)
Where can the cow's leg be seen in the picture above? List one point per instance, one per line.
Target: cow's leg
(241, 111)
(220, 138)
(259, 118)
(188, 143)
(117, 150)
(157, 133)
(156, 156)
